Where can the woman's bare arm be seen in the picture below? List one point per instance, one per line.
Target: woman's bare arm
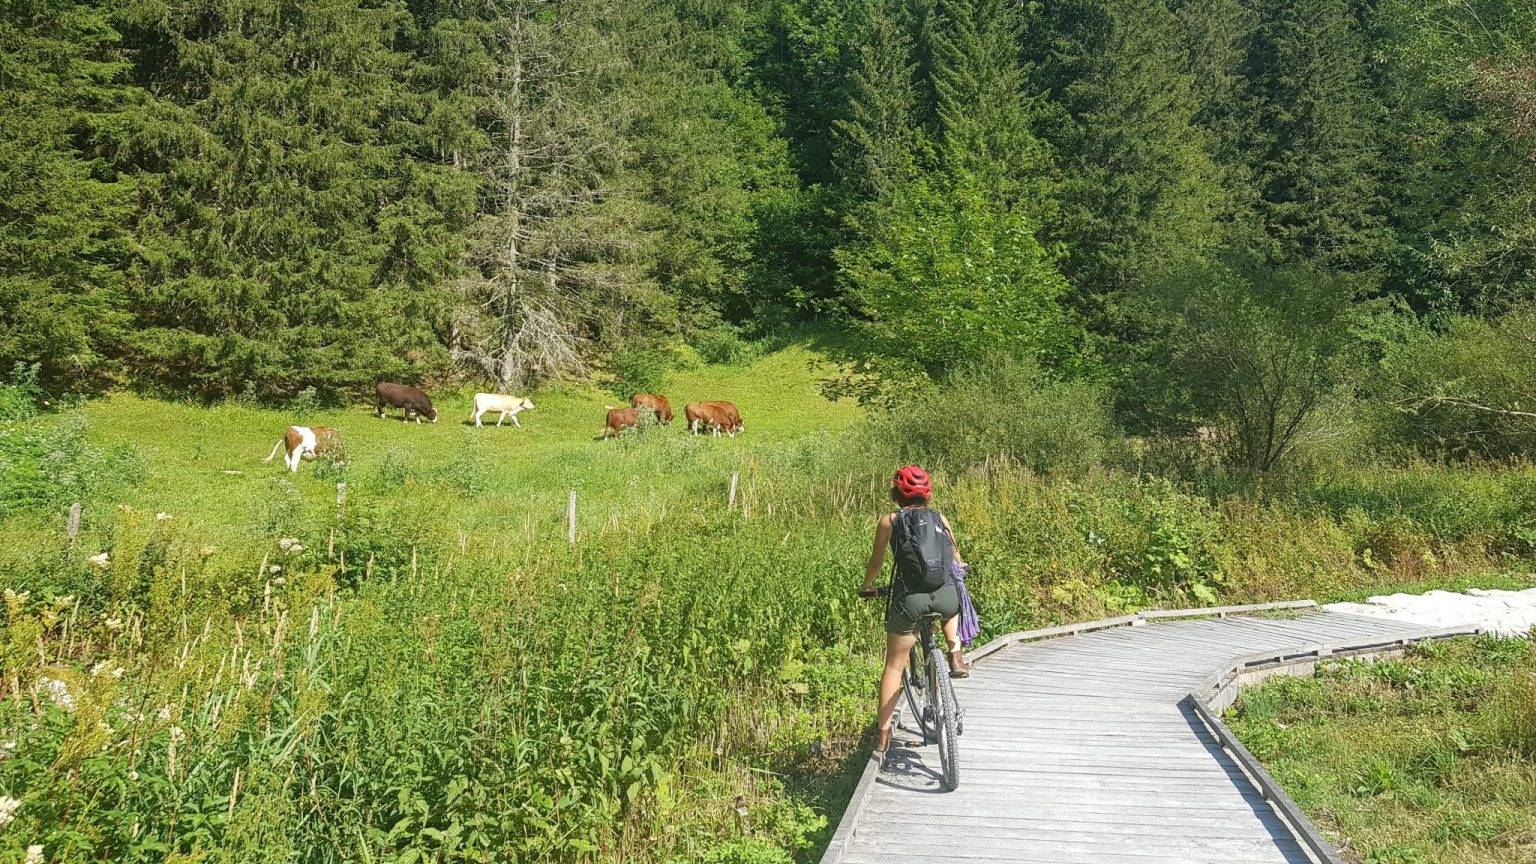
(877, 555)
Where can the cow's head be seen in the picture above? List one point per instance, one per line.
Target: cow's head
(527, 404)
(432, 414)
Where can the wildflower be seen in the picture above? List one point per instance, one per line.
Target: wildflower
(63, 601)
(177, 734)
(101, 560)
(58, 691)
(34, 854)
(132, 776)
(164, 714)
(279, 581)
(274, 569)
(208, 551)
(295, 549)
(112, 623)
(162, 516)
(16, 597)
(8, 808)
(287, 543)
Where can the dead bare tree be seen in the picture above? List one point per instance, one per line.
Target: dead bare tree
(548, 250)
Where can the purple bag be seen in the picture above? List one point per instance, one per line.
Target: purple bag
(970, 623)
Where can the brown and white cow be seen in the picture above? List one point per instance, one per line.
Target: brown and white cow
(412, 399)
(716, 417)
(620, 419)
(656, 402)
(306, 442)
(506, 405)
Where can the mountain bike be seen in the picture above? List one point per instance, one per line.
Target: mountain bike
(930, 695)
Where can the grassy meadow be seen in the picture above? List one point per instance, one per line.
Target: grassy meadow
(1424, 759)
(227, 667)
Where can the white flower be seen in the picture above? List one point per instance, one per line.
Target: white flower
(34, 854)
(8, 808)
(118, 672)
(295, 549)
(101, 560)
(162, 516)
(208, 550)
(177, 734)
(164, 714)
(274, 569)
(112, 623)
(132, 776)
(287, 543)
(13, 596)
(279, 581)
(63, 601)
(59, 692)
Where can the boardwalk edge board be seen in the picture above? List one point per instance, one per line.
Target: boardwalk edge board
(1214, 695)
(1224, 686)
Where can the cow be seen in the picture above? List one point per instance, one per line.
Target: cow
(404, 396)
(714, 416)
(620, 419)
(733, 416)
(306, 442)
(507, 405)
(658, 404)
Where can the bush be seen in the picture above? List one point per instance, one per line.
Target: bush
(639, 370)
(21, 398)
(48, 467)
(998, 407)
(1467, 390)
(723, 345)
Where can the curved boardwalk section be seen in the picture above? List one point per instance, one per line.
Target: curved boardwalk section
(1084, 750)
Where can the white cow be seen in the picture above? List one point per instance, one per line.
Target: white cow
(305, 442)
(507, 405)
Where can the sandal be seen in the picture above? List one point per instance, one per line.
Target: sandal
(957, 667)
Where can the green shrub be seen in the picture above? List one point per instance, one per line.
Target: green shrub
(723, 345)
(999, 407)
(48, 464)
(23, 397)
(639, 370)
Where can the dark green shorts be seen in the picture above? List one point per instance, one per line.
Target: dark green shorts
(906, 610)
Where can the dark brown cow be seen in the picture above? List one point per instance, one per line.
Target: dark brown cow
(620, 419)
(733, 416)
(656, 403)
(711, 416)
(413, 400)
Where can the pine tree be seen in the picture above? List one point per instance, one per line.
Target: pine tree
(877, 136)
(555, 258)
(307, 212)
(983, 110)
(65, 199)
(1142, 189)
(1313, 133)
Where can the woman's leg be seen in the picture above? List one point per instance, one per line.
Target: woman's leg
(952, 632)
(897, 647)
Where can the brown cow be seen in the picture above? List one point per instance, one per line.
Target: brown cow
(656, 403)
(714, 416)
(733, 417)
(619, 419)
(306, 442)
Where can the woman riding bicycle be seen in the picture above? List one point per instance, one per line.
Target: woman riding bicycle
(923, 547)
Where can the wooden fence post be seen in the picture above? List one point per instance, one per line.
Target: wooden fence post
(570, 518)
(73, 528)
(730, 504)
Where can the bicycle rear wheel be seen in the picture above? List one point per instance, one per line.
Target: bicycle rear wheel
(946, 723)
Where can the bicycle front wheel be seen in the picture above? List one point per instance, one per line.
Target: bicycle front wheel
(946, 723)
(916, 693)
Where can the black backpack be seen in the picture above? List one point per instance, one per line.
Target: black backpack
(922, 550)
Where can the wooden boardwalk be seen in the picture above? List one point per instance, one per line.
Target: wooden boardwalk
(1086, 749)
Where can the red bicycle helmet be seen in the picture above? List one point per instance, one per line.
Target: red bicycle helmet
(912, 482)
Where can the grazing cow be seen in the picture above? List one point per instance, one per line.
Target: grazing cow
(306, 442)
(658, 404)
(710, 416)
(733, 416)
(620, 419)
(507, 405)
(404, 396)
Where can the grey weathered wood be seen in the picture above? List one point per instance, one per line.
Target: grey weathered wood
(1083, 744)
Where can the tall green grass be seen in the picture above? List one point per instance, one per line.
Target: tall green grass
(430, 671)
